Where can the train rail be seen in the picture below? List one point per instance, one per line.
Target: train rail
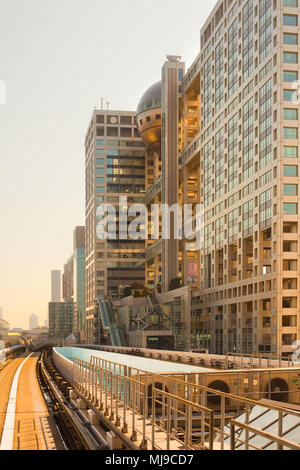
(75, 432)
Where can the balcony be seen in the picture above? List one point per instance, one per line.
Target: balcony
(153, 191)
(154, 250)
(190, 151)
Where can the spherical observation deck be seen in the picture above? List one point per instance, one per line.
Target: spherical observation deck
(149, 115)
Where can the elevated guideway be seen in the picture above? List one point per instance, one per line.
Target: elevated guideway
(156, 405)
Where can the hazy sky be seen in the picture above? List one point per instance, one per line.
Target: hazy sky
(58, 58)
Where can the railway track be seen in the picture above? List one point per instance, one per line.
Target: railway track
(75, 433)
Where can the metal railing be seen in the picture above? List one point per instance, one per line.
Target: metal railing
(281, 443)
(127, 403)
(227, 406)
(174, 409)
(258, 360)
(169, 410)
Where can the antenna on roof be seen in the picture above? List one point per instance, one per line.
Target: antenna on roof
(107, 103)
(102, 104)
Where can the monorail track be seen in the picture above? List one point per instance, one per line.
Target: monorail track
(74, 431)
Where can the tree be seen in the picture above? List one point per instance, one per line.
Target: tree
(127, 291)
(175, 284)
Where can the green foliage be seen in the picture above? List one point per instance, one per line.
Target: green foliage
(175, 284)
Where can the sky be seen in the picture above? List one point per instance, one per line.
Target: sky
(57, 59)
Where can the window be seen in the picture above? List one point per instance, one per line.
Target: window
(100, 153)
(100, 190)
(289, 170)
(290, 3)
(290, 114)
(112, 153)
(290, 152)
(100, 131)
(290, 20)
(100, 119)
(290, 76)
(100, 143)
(126, 132)
(99, 161)
(290, 58)
(100, 171)
(112, 132)
(290, 39)
(99, 199)
(290, 209)
(125, 120)
(290, 189)
(290, 133)
(290, 95)
(100, 180)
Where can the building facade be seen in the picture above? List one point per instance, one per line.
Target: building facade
(115, 166)
(245, 164)
(222, 136)
(61, 316)
(33, 321)
(56, 286)
(79, 279)
(68, 281)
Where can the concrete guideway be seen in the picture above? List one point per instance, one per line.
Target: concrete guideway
(27, 425)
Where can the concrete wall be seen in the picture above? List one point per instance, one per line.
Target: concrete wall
(63, 365)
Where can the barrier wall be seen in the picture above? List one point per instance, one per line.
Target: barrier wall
(204, 360)
(63, 365)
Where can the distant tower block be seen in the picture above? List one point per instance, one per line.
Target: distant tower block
(1, 313)
(33, 321)
(56, 286)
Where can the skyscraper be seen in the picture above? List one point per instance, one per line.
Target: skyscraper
(115, 166)
(61, 315)
(79, 278)
(56, 286)
(67, 281)
(33, 321)
(249, 175)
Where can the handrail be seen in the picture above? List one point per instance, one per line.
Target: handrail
(170, 376)
(121, 390)
(188, 415)
(279, 440)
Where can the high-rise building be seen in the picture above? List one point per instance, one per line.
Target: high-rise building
(79, 278)
(233, 122)
(33, 321)
(115, 166)
(242, 167)
(223, 135)
(161, 137)
(67, 281)
(61, 316)
(56, 286)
